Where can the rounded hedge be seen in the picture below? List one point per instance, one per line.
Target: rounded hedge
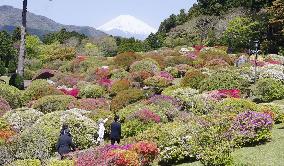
(12, 95)
(268, 90)
(193, 79)
(39, 89)
(148, 65)
(91, 91)
(39, 141)
(23, 118)
(125, 98)
(224, 80)
(53, 103)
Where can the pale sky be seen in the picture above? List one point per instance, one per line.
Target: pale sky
(97, 12)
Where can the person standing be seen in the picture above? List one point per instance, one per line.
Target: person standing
(115, 131)
(101, 131)
(65, 143)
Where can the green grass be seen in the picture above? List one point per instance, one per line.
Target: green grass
(269, 154)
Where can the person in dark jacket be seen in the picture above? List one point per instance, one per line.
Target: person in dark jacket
(115, 131)
(65, 143)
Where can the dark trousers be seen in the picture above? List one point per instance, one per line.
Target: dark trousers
(113, 140)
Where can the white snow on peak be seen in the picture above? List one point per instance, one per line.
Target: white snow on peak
(128, 24)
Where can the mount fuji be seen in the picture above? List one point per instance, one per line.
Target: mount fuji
(127, 26)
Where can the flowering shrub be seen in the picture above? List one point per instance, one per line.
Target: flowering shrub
(229, 93)
(140, 76)
(166, 75)
(176, 60)
(91, 104)
(173, 139)
(53, 103)
(39, 141)
(91, 91)
(271, 71)
(70, 91)
(22, 119)
(201, 104)
(216, 63)
(105, 82)
(275, 110)
(119, 85)
(157, 81)
(173, 71)
(212, 143)
(148, 65)
(234, 105)
(126, 59)
(268, 90)
(141, 154)
(252, 127)
(69, 80)
(182, 94)
(212, 54)
(4, 107)
(60, 163)
(160, 99)
(102, 72)
(12, 95)
(146, 116)
(125, 98)
(193, 78)
(119, 74)
(39, 89)
(223, 80)
(27, 162)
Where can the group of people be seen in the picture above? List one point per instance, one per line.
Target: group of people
(66, 145)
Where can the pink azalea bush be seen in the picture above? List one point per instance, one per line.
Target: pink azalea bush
(166, 75)
(252, 127)
(90, 104)
(146, 116)
(105, 82)
(72, 92)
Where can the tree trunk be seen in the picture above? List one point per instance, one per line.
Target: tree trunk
(21, 58)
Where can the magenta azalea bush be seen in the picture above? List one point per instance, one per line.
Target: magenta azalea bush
(146, 116)
(252, 127)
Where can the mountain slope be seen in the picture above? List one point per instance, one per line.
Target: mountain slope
(10, 18)
(127, 26)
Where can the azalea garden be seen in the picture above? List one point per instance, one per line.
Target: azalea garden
(198, 107)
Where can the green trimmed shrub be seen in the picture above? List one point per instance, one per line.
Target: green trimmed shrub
(39, 89)
(268, 90)
(126, 97)
(145, 65)
(157, 81)
(61, 163)
(173, 71)
(39, 141)
(124, 60)
(193, 79)
(27, 162)
(119, 74)
(174, 141)
(3, 69)
(53, 103)
(234, 105)
(12, 95)
(91, 91)
(119, 85)
(29, 74)
(224, 79)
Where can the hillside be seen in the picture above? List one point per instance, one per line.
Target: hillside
(10, 18)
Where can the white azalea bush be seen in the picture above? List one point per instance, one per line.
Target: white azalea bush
(40, 140)
(183, 94)
(272, 71)
(22, 118)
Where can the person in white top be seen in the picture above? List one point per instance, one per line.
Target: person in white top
(101, 131)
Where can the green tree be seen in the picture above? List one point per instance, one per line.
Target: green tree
(16, 35)
(240, 31)
(33, 46)
(152, 42)
(7, 50)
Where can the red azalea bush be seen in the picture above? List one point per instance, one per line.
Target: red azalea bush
(72, 92)
(102, 72)
(139, 154)
(105, 82)
(234, 93)
(4, 107)
(274, 62)
(126, 59)
(146, 116)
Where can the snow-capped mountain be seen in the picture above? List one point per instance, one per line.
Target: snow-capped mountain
(127, 26)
